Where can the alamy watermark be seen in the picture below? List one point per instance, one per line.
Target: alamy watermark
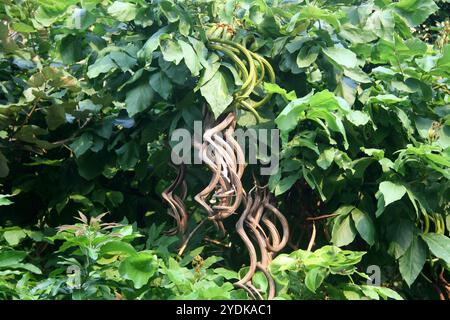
(374, 273)
(260, 146)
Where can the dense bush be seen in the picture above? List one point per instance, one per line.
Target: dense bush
(91, 90)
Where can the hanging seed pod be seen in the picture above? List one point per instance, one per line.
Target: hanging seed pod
(176, 208)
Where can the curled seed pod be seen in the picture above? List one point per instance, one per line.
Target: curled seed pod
(258, 209)
(176, 208)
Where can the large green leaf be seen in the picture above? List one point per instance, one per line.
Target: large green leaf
(401, 234)
(123, 11)
(139, 98)
(364, 225)
(411, 263)
(217, 93)
(341, 56)
(416, 11)
(439, 245)
(288, 119)
(161, 84)
(171, 51)
(138, 268)
(14, 236)
(82, 144)
(117, 248)
(190, 58)
(391, 191)
(4, 201)
(343, 232)
(315, 277)
(102, 65)
(11, 257)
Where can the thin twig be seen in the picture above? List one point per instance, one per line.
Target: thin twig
(326, 216)
(217, 242)
(185, 243)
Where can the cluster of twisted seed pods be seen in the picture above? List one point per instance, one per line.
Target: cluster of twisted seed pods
(225, 158)
(259, 220)
(177, 209)
(224, 194)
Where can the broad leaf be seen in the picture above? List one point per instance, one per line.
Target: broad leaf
(439, 245)
(411, 263)
(138, 268)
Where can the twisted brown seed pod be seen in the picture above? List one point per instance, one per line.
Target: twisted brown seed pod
(176, 208)
(242, 283)
(225, 182)
(258, 209)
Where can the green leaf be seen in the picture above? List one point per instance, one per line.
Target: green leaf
(171, 51)
(381, 23)
(259, 280)
(139, 98)
(128, 155)
(386, 98)
(314, 278)
(151, 45)
(388, 293)
(115, 197)
(274, 88)
(364, 225)
(326, 158)
(358, 75)
(117, 248)
(391, 191)
(11, 257)
(226, 273)
(161, 84)
(102, 65)
(343, 231)
(190, 58)
(82, 144)
(286, 183)
(80, 19)
(324, 100)
(71, 49)
(411, 263)
(51, 11)
(439, 245)
(123, 60)
(307, 56)
(318, 105)
(27, 266)
(88, 105)
(358, 118)
(22, 27)
(415, 11)
(139, 268)
(217, 94)
(313, 12)
(123, 11)
(13, 237)
(401, 234)
(444, 61)
(4, 201)
(55, 117)
(91, 164)
(341, 56)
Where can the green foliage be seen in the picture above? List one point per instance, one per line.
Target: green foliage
(95, 260)
(319, 275)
